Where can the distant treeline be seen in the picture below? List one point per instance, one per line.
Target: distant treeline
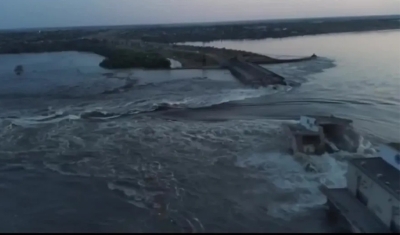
(114, 58)
(258, 30)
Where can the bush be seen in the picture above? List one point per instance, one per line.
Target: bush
(127, 59)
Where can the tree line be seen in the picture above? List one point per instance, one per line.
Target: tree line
(115, 58)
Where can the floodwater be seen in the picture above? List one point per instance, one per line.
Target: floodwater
(84, 149)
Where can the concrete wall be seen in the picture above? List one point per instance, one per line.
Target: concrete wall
(390, 155)
(294, 144)
(309, 149)
(396, 216)
(309, 123)
(380, 202)
(351, 176)
(299, 146)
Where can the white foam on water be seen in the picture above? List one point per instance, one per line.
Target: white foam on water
(57, 168)
(129, 192)
(289, 176)
(365, 147)
(224, 96)
(175, 63)
(111, 110)
(35, 120)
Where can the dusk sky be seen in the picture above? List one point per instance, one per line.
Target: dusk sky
(60, 13)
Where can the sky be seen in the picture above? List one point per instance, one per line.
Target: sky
(64, 13)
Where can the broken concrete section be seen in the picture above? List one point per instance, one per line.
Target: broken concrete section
(320, 134)
(252, 74)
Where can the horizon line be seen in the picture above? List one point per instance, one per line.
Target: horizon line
(178, 24)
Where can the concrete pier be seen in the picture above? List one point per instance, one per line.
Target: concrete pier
(357, 215)
(252, 74)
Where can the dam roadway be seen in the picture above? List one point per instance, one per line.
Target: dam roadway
(243, 65)
(248, 71)
(251, 74)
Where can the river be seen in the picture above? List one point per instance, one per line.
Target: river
(84, 149)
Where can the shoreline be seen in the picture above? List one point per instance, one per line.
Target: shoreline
(294, 36)
(261, 30)
(172, 47)
(288, 37)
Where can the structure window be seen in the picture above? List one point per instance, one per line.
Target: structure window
(394, 227)
(395, 211)
(362, 198)
(397, 158)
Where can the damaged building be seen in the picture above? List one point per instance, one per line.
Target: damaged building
(320, 134)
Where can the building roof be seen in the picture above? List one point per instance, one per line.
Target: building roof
(381, 172)
(394, 145)
(301, 130)
(331, 120)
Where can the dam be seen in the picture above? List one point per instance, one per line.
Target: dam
(251, 74)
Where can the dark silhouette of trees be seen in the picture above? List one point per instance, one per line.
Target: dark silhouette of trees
(114, 58)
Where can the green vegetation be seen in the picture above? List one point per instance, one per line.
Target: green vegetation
(115, 58)
(127, 59)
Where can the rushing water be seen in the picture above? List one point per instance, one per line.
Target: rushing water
(83, 149)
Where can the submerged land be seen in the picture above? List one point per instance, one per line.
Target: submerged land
(150, 46)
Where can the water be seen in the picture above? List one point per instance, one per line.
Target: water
(84, 149)
(364, 84)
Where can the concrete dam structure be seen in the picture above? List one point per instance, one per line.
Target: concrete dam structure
(252, 74)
